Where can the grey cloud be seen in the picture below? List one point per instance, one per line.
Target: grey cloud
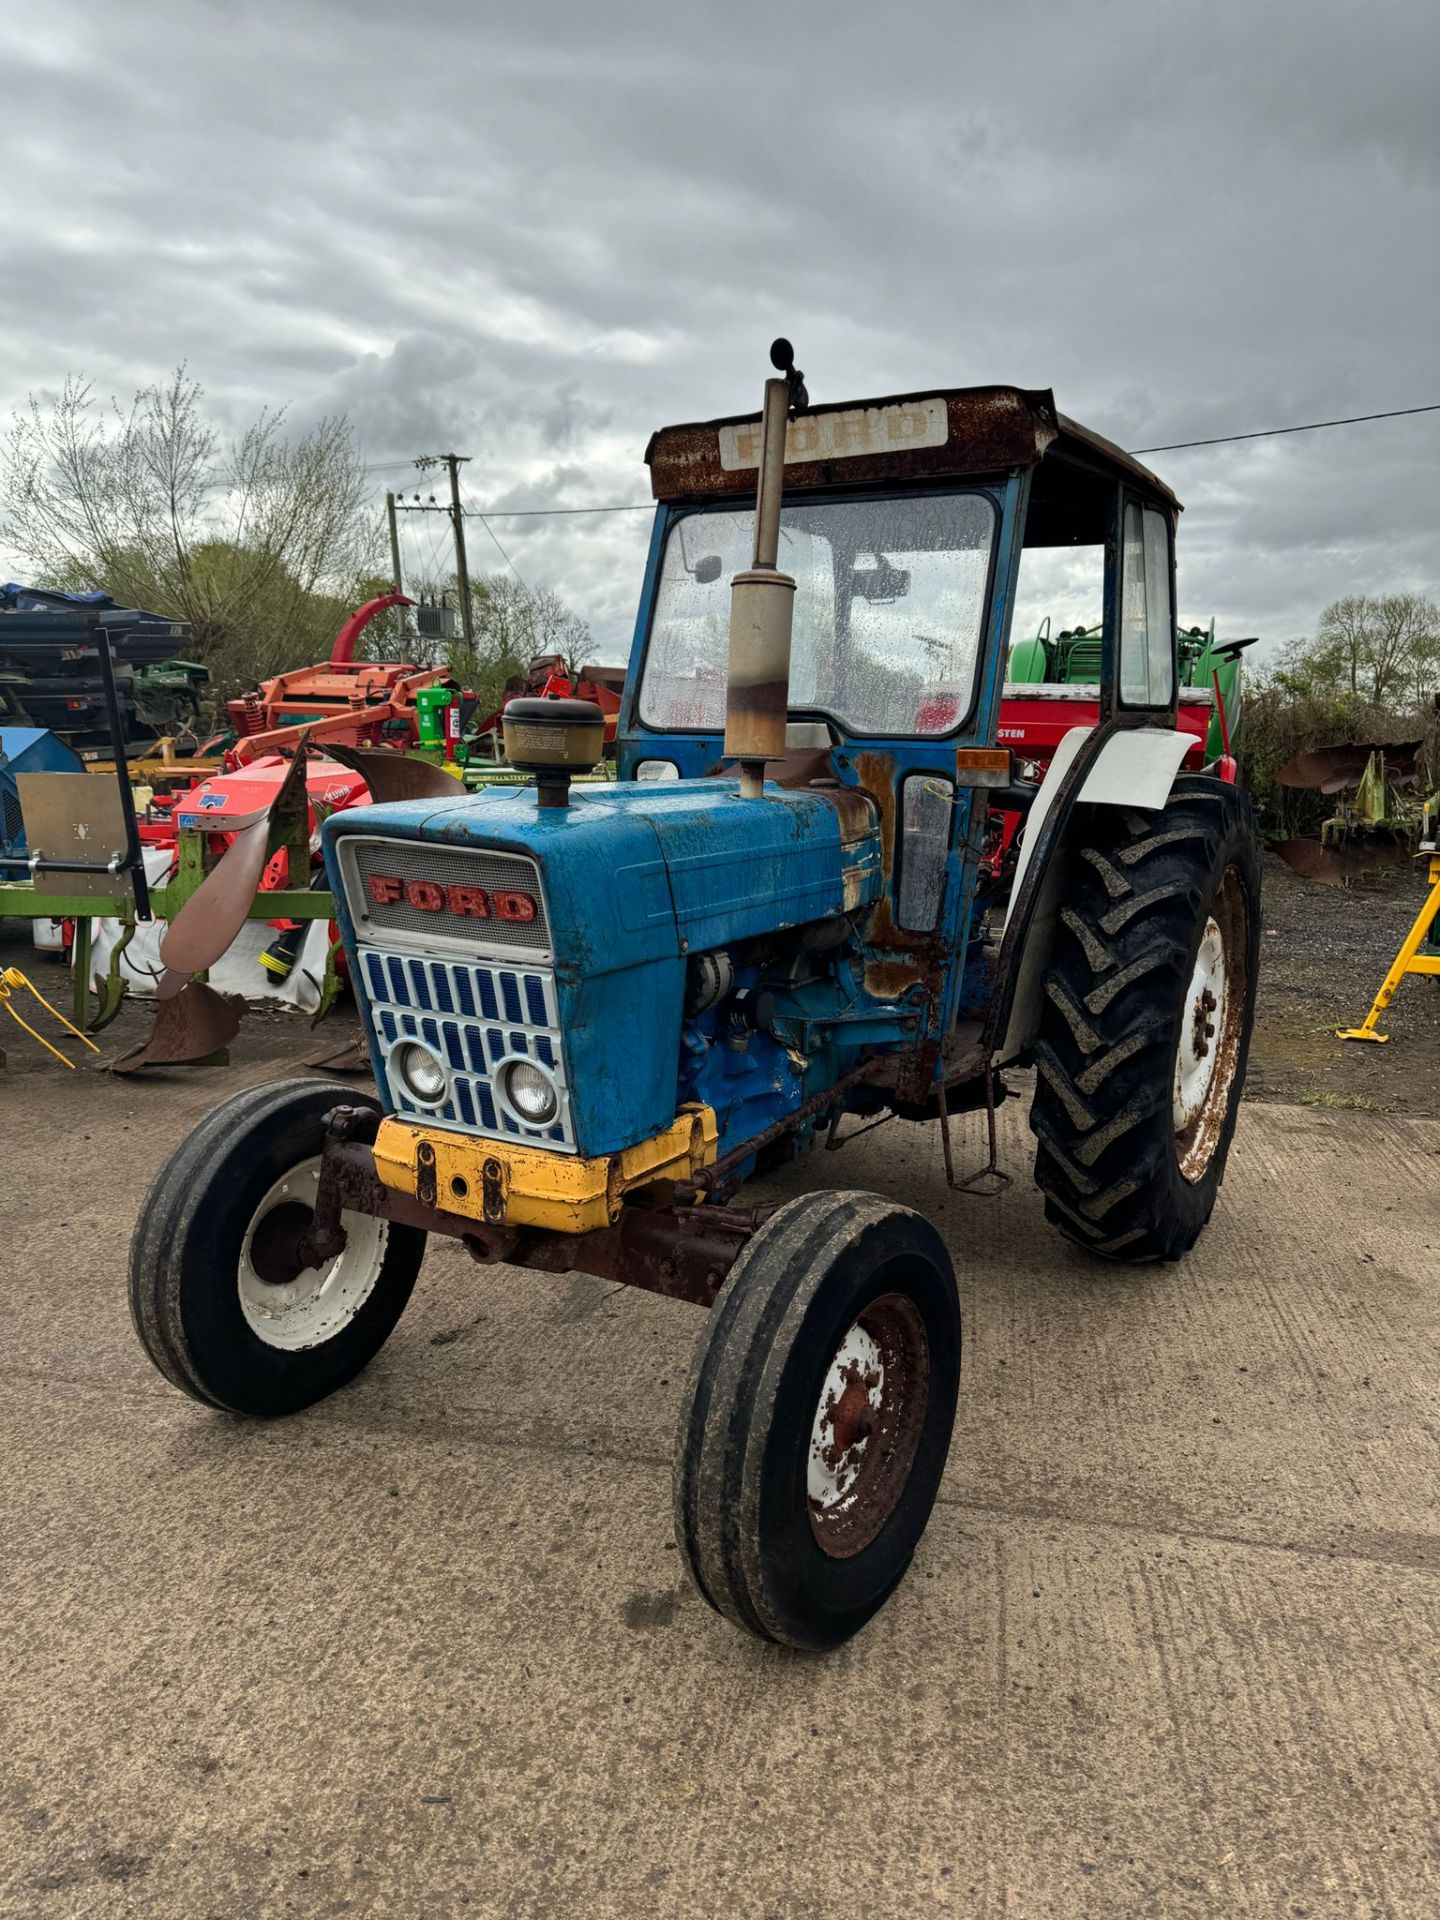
(536, 234)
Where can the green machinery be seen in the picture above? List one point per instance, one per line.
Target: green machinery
(1072, 658)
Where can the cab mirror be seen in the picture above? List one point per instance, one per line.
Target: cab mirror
(879, 583)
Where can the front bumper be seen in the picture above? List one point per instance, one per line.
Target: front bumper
(502, 1184)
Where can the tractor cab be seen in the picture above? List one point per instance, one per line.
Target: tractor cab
(901, 522)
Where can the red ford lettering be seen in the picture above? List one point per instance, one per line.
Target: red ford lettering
(514, 906)
(468, 903)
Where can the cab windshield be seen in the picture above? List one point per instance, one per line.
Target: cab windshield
(889, 606)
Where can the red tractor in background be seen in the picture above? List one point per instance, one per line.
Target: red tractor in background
(551, 675)
(1053, 686)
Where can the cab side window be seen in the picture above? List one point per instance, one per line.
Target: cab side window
(1147, 622)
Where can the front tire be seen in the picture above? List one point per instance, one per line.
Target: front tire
(217, 1297)
(1145, 1028)
(817, 1418)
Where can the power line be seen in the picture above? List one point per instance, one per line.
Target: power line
(499, 549)
(469, 513)
(540, 513)
(1270, 433)
(1169, 446)
(529, 513)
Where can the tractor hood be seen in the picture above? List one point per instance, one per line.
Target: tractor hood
(645, 871)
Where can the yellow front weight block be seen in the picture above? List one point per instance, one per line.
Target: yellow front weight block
(504, 1184)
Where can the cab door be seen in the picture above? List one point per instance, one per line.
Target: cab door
(1143, 687)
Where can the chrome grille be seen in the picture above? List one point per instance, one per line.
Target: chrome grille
(361, 858)
(473, 1015)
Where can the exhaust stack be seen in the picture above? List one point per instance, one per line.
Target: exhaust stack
(762, 601)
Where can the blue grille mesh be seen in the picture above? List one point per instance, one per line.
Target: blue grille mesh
(473, 1016)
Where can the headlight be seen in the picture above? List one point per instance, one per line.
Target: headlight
(421, 1073)
(531, 1092)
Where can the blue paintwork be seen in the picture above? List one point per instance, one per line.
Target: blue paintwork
(698, 753)
(639, 877)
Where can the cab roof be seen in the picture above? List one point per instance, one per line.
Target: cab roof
(930, 435)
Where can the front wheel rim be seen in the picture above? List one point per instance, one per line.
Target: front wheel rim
(1212, 1022)
(294, 1308)
(867, 1425)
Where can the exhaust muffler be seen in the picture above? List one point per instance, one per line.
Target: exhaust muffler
(762, 602)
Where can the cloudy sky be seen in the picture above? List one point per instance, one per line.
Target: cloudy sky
(535, 232)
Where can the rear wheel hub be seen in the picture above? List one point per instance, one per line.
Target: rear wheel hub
(1210, 1028)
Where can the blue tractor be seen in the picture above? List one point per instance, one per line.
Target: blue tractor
(594, 1012)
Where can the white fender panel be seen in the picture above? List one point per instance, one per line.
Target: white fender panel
(1136, 768)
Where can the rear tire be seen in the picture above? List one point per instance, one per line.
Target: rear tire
(217, 1301)
(1145, 1030)
(817, 1418)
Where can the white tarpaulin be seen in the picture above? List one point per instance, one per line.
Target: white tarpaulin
(238, 971)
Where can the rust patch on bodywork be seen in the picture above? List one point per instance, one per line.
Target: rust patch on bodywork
(987, 429)
(889, 979)
(876, 772)
(855, 810)
(901, 959)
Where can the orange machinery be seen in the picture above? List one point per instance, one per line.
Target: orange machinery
(341, 701)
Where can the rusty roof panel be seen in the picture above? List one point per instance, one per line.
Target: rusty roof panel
(1105, 453)
(908, 436)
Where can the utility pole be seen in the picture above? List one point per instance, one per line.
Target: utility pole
(454, 461)
(396, 579)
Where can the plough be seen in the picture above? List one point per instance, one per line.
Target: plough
(239, 861)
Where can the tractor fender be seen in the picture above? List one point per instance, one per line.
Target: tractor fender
(1107, 766)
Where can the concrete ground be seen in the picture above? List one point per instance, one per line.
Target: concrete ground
(1169, 1647)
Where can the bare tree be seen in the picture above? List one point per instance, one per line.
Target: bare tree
(257, 541)
(1340, 645)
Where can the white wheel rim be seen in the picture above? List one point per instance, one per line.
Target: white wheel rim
(1210, 1043)
(850, 1400)
(321, 1301)
(1202, 1024)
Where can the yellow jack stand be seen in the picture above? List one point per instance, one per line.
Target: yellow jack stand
(1408, 960)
